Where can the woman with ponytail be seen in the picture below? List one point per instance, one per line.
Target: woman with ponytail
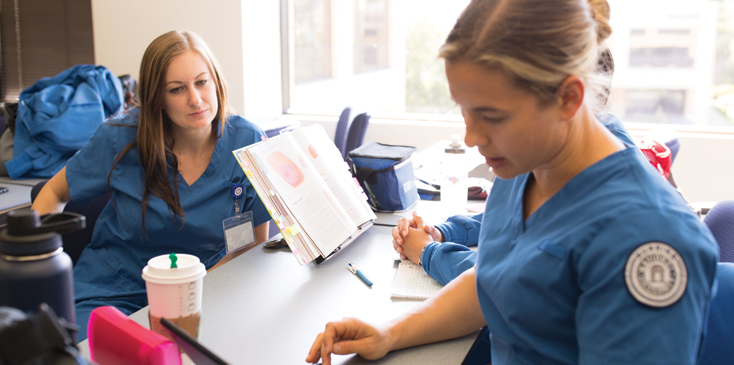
(585, 254)
(168, 168)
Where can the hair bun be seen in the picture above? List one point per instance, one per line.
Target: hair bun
(600, 12)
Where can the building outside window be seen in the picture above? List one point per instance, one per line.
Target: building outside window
(371, 41)
(674, 59)
(312, 41)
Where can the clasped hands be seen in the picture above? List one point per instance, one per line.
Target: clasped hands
(411, 236)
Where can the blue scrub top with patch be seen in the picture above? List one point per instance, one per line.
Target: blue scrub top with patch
(552, 288)
(111, 266)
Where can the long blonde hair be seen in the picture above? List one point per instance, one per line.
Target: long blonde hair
(539, 43)
(154, 140)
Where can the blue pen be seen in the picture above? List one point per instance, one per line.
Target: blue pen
(359, 273)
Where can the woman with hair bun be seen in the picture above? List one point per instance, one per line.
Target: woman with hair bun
(579, 260)
(168, 168)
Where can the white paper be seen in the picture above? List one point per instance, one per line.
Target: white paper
(327, 160)
(412, 283)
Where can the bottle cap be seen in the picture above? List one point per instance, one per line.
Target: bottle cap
(24, 235)
(456, 146)
(160, 269)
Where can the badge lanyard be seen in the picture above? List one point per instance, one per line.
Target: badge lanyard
(238, 230)
(236, 192)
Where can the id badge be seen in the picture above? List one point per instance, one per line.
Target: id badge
(238, 232)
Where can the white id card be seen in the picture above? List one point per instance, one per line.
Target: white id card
(238, 232)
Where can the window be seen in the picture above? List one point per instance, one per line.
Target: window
(674, 59)
(371, 35)
(312, 24)
(375, 55)
(659, 57)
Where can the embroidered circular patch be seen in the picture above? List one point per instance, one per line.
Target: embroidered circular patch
(656, 274)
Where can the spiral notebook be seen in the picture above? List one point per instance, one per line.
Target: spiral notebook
(412, 283)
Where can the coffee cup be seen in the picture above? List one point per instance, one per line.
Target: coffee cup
(174, 286)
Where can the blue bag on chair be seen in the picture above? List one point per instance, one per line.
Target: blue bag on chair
(385, 172)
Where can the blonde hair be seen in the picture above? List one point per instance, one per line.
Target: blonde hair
(154, 140)
(539, 43)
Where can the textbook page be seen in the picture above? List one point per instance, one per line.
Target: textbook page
(301, 188)
(412, 283)
(325, 157)
(301, 245)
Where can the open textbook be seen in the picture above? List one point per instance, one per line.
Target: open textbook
(309, 191)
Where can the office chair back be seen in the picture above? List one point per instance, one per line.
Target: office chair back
(356, 133)
(719, 342)
(720, 220)
(674, 146)
(342, 129)
(75, 242)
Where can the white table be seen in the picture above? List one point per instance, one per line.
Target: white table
(17, 197)
(263, 308)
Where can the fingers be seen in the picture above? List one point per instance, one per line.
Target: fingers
(418, 219)
(360, 347)
(403, 225)
(314, 354)
(347, 336)
(435, 233)
(396, 238)
(398, 248)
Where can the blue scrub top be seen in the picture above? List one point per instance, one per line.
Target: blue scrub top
(552, 288)
(111, 266)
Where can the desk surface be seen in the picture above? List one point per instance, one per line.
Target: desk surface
(263, 308)
(17, 196)
(26, 182)
(432, 211)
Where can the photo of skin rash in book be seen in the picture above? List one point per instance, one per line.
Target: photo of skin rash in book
(286, 168)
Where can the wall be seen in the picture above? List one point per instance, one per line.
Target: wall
(242, 34)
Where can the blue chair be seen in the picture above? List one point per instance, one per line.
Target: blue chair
(75, 242)
(350, 131)
(674, 146)
(720, 220)
(274, 128)
(356, 133)
(342, 128)
(718, 347)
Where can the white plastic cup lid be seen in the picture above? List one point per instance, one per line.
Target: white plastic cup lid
(159, 269)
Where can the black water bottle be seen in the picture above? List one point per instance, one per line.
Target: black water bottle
(34, 269)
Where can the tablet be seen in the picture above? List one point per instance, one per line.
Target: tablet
(480, 351)
(199, 354)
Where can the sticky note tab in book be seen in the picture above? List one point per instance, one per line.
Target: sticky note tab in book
(293, 230)
(412, 283)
